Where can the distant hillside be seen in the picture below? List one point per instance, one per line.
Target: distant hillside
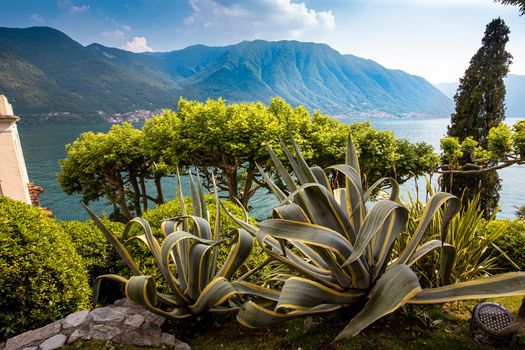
(48, 72)
(514, 100)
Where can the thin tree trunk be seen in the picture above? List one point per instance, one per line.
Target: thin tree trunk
(247, 193)
(136, 192)
(144, 193)
(158, 185)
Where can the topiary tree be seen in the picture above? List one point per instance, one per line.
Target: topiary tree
(480, 106)
(42, 277)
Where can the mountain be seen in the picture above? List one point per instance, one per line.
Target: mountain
(514, 99)
(47, 71)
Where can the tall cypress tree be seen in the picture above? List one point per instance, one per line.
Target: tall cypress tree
(480, 105)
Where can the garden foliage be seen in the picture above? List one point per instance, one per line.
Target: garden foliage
(42, 277)
(226, 140)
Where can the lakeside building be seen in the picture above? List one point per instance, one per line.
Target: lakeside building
(14, 180)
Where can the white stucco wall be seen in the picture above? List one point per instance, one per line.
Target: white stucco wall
(13, 172)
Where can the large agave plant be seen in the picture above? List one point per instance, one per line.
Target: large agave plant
(187, 259)
(340, 252)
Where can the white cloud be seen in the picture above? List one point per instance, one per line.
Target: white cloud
(265, 19)
(37, 18)
(126, 27)
(116, 34)
(78, 9)
(137, 44)
(72, 7)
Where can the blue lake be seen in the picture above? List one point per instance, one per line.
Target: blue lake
(44, 145)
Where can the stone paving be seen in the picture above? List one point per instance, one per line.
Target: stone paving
(122, 322)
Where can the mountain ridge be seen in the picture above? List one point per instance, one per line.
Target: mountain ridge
(95, 78)
(514, 84)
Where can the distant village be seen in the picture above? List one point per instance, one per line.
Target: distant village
(138, 115)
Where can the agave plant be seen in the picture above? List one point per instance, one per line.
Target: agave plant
(187, 260)
(339, 252)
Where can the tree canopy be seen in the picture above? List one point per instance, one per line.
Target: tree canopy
(227, 141)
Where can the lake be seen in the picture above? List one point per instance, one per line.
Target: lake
(44, 145)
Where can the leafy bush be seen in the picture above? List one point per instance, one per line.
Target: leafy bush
(466, 232)
(511, 242)
(42, 277)
(98, 255)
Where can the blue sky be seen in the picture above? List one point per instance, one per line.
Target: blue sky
(431, 38)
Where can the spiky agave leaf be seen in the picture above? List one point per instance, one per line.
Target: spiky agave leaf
(187, 260)
(343, 251)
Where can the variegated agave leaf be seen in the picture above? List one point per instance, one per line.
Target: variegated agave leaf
(338, 251)
(187, 260)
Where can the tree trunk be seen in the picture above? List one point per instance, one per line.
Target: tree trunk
(136, 193)
(158, 185)
(144, 193)
(231, 180)
(247, 191)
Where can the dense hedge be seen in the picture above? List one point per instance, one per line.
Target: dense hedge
(512, 242)
(98, 255)
(42, 277)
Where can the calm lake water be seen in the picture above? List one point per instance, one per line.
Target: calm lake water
(44, 145)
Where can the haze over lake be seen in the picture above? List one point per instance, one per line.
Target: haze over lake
(44, 145)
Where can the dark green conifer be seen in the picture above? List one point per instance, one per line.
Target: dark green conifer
(480, 105)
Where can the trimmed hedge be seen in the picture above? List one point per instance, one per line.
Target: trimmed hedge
(98, 255)
(42, 277)
(512, 242)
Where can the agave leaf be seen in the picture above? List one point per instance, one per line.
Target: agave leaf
(142, 291)
(195, 198)
(273, 187)
(321, 177)
(394, 186)
(318, 237)
(170, 245)
(424, 249)
(216, 229)
(283, 173)
(446, 263)
(308, 233)
(198, 269)
(373, 224)
(300, 294)
(502, 285)
(216, 292)
(244, 224)
(183, 209)
(354, 192)
(243, 287)
(321, 207)
(255, 316)
(297, 264)
(351, 156)
(200, 193)
(98, 282)
(113, 240)
(299, 165)
(239, 252)
(392, 290)
(432, 206)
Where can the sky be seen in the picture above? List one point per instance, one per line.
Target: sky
(434, 39)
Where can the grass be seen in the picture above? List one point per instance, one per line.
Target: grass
(435, 328)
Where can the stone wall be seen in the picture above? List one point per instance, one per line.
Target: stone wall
(122, 322)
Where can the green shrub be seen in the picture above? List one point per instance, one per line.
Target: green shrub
(42, 277)
(512, 242)
(98, 255)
